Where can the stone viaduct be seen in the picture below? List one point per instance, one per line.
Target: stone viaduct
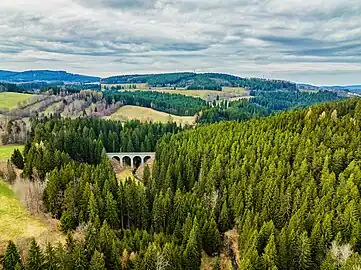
(132, 159)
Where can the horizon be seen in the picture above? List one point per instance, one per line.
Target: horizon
(317, 42)
(155, 73)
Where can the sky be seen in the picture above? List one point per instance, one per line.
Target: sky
(309, 41)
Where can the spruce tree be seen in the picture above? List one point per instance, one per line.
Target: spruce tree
(97, 261)
(11, 257)
(35, 260)
(192, 253)
(17, 159)
(212, 238)
(224, 223)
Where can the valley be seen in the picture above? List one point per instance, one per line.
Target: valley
(219, 194)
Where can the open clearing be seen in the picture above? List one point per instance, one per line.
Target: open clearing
(7, 150)
(209, 95)
(239, 90)
(10, 100)
(147, 114)
(18, 225)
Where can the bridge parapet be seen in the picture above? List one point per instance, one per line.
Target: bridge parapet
(132, 156)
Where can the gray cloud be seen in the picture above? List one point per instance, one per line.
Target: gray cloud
(118, 4)
(268, 38)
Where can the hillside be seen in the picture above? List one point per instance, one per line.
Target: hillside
(202, 81)
(148, 115)
(18, 225)
(45, 75)
(280, 192)
(288, 183)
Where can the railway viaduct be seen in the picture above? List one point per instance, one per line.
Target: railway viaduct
(132, 159)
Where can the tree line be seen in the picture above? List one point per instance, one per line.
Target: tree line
(170, 103)
(264, 103)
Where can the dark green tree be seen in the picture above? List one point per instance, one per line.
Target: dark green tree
(17, 159)
(11, 257)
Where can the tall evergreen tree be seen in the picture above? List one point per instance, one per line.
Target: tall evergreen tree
(11, 257)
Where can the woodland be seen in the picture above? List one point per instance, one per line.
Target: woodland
(287, 184)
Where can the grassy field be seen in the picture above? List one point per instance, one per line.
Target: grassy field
(192, 93)
(10, 100)
(238, 90)
(7, 150)
(209, 95)
(18, 225)
(146, 114)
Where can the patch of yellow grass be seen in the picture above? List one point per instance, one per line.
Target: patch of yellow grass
(18, 225)
(147, 114)
(240, 98)
(238, 90)
(7, 150)
(124, 174)
(207, 261)
(10, 100)
(191, 93)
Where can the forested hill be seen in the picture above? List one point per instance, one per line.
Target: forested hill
(289, 183)
(209, 81)
(45, 75)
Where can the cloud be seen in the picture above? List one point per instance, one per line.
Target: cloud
(272, 38)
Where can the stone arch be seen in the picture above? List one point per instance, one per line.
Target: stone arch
(146, 158)
(116, 158)
(127, 161)
(137, 161)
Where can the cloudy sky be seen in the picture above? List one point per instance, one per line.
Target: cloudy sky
(314, 41)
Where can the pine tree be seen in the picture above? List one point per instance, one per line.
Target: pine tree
(50, 262)
(224, 222)
(11, 257)
(146, 174)
(111, 214)
(67, 222)
(97, 261)
(270, 254)
(192, 253)
(212, 239)
(35, 259)
(17, 159)
(304, 252)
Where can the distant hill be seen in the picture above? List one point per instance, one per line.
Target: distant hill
(200, 81)
(45, 76)
(331, 87)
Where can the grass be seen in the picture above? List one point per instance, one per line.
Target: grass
(7, 150)
(192, 93)
(125, 173)
(238, 90)
(18, 225)
(11, 100)
(226, 94)
(147, 114)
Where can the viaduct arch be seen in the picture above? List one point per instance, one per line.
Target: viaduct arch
(132, 159)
